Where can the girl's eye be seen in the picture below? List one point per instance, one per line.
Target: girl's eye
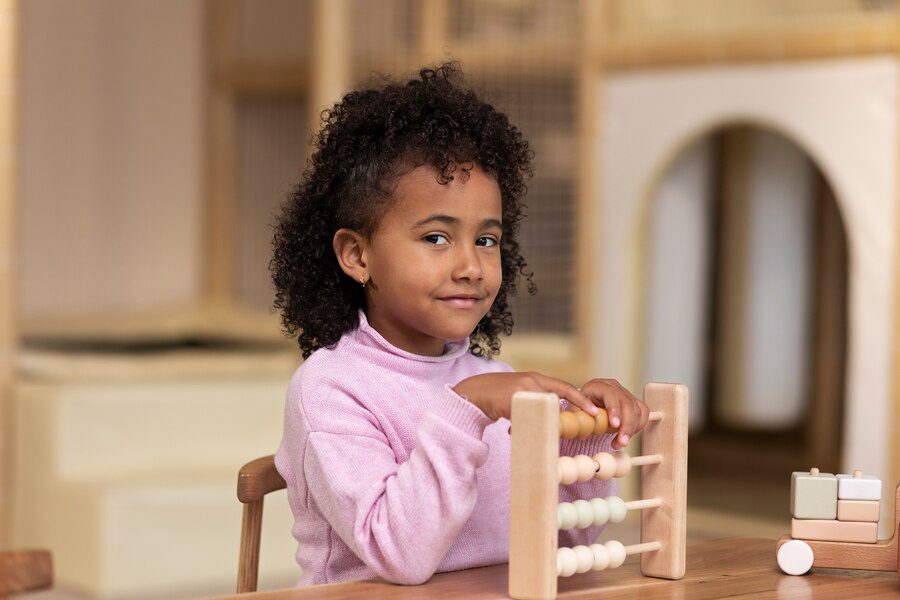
(492, 241)
(434, 236)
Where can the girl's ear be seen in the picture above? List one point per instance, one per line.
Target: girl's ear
(351, 250)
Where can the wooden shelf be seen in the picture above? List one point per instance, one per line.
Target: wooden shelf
(288, 78)
(790, 44)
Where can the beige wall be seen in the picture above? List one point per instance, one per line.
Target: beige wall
(112, 165)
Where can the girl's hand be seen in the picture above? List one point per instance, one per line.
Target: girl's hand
(492, 392)
(625, 411)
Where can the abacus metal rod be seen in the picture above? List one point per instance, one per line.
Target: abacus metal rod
(641, 504)
(640, 548)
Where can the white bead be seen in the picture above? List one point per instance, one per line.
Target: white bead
(568, 470)
(617, 510)
(587, 467)
(566, 562)
(601, 511)
(585, 559)
(566, 515)
(616, 553)
(623, 463)
(601, 556)
(585, 513)
(795, 557)
(607, 465)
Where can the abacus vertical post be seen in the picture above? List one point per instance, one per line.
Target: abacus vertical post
(533, 496)
(666, 480)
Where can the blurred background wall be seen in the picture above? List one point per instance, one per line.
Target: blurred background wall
(112, 156)
(714, 202)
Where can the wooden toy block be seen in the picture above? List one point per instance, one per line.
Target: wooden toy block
(859, 510)
(880, 556)
(858, 487)
(834, 531)
(813, 495)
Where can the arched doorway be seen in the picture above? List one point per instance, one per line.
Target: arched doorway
(843, 114)
(745, 300)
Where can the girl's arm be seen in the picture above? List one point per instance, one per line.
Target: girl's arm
(400, 519)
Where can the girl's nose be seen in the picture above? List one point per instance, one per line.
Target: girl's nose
(468, 265)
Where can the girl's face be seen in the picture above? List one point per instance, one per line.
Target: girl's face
(432, 266)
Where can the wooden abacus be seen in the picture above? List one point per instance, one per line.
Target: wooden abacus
(537, 470)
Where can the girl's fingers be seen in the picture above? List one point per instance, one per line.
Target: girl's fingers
(566, 390)
(629, 420)
(645, 414)
(611, 402)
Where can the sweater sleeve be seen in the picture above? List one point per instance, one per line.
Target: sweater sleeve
(400, 519)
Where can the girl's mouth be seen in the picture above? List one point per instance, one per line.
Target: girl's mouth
(461, 302)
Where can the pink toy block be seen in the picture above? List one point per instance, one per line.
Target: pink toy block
(834, 531)
(859, 510)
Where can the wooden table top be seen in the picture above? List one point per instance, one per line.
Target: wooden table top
(732, 567)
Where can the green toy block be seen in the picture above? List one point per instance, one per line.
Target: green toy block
(813, 495)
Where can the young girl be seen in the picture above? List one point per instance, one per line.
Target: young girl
(393, 261)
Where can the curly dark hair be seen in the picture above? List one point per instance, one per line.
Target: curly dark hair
(366, 140)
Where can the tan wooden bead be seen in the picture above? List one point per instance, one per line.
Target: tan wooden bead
(623, 463)
(607, 465)
(587, 467)
(567, 470)
(585, 425)
(568, 425)
(601, 422)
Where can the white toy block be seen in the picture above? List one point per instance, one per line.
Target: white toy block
(813, 495)
(858, 487)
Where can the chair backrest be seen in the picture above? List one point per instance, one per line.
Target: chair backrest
(25, 571)
(255, 479)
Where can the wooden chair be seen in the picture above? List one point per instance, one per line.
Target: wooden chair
(25, 571)
(255, 479)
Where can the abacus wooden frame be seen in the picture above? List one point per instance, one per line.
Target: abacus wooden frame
(534, 489)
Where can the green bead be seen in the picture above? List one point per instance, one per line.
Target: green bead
(601, 511)
(617, 510)
(566, 515)
(585, 513)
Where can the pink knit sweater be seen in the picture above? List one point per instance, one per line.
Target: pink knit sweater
(390, 473)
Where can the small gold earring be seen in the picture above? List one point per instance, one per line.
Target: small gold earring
(362, 280)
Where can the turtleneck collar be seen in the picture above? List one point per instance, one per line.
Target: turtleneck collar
(367, 335)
